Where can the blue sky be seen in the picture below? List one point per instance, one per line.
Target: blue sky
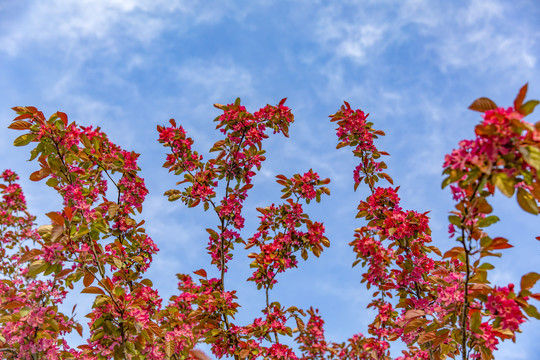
(414, 65)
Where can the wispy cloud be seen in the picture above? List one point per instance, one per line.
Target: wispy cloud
(483, 37)
(214, 79)
(479, 34)
(349, 39)
(92, 25)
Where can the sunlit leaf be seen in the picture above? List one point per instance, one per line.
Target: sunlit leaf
(201, 272)
(475, 320)
(527, 201)
(12, 305)
(504, 183)
(532, 311)
(531, 154)
(19, 125)
(169, 348)
(528, 107)
(528, 280)
(24, 139)
(88, 279)
(520, 97)
(93, 290)
(56, 217)
(487, 221)
(483, 104)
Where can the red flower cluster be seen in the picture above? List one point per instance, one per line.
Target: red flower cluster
(439, 306)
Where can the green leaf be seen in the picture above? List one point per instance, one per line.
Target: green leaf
(174, 197)
(531, 154)
(504, 183)
(476, 320)
(528, 280)
(532, 311)
(528, 107)
(526, 201)
(490, 220)
(486, 266)
(54, 324)
(24, 139)
(24, 311)
(97, 335)
(446, 182)
(37, 267)
(52, 182)
(455, 220)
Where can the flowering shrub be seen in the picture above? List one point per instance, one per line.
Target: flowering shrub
(439, 305)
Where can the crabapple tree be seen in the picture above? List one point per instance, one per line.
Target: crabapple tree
(441, 305)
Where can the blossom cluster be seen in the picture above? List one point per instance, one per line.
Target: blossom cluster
(279, 236)
(439, 305)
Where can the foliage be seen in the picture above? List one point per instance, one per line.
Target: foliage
(439, 305)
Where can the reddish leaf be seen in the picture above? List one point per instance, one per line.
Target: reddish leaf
(483, 104)
(415, 324)
(155, 328)
(63, 117)
(520, 97)
(69, 212)
(411, 314)
(79, 329)
(93, 290)
(453, 253)
(57, 218)
(499, 243)
(108, 283)
(30, 255)
(88, 279)
(63, 273)
(12, 305)
(425, 337)
(441, 336)
(40, 174)
(23, 116)
(200, 272)
(20, 125)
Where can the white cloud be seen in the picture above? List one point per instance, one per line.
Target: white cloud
(100, 24)
(216, 79)
(480, 35)
(354, 39)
